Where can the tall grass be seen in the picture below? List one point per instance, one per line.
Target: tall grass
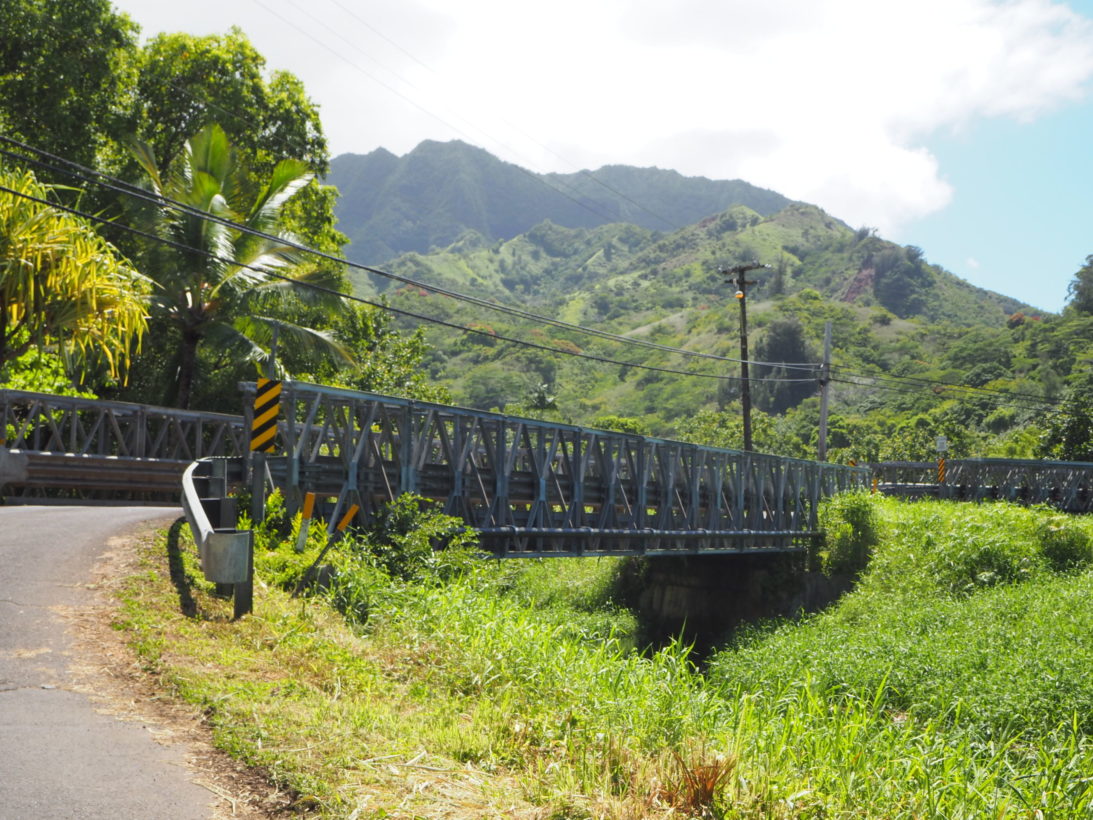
(952, 682)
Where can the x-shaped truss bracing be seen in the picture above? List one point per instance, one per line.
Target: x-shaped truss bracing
(534, 488)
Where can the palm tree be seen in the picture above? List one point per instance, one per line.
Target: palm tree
(62, 285)
(216, 283)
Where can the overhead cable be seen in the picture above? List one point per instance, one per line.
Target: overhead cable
(330, 291)
(117, 185)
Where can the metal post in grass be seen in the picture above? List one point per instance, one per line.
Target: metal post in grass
(335, 537)
(942, 448)
(305, 522)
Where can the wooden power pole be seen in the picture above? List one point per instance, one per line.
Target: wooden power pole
(741, 283)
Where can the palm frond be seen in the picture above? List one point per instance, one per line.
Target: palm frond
(146, 158)
(311, 287)
(224, 335)
(289, 176)
(211, 153)
(260, 329)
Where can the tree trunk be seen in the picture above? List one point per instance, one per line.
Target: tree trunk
(187, 367)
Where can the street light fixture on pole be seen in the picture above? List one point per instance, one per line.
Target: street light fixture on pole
(741, 283)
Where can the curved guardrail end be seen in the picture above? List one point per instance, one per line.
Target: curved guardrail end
(225, 553)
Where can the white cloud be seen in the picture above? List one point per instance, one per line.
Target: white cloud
(972, 263)
(829, 101)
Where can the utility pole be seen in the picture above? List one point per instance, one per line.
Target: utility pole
(742, 296)
(825, 381)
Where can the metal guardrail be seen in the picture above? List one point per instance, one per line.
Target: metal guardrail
(224, 550)
(1067, 485)
(538, 488)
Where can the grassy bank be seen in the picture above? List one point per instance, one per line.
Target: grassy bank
(951, 683)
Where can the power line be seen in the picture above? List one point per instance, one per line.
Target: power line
(920, 382)
(109, 182)
(332, 292)
(1000, 398)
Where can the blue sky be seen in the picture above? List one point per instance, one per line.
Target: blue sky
(1021, 217)
(960, 126)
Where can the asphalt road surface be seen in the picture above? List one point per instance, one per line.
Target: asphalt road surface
(59, 758)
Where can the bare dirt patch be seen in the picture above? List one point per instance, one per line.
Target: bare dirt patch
(108, 671)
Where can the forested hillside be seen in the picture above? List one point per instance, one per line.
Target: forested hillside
(917, 352)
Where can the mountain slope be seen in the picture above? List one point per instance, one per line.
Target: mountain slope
(892, 312)
(429, 197)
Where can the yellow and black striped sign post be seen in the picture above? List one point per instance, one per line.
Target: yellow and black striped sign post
(263, 430)
(332, 539)
(941, 470)
(263, 435)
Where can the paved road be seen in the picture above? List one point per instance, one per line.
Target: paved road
(59, 758)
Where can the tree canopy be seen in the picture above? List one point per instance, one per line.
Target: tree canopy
(216, 282)
(65, 74)
(1081, 288)
(61, 284)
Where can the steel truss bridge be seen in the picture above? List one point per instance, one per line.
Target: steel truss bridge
(529, 487)
(535, 488)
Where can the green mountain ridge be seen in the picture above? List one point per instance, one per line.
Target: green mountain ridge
(891, 310)
(426, 199)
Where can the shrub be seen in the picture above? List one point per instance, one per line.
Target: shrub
(1065, 545)
(411, 540)
(849, 524)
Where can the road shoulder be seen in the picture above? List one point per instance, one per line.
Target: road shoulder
(108, 671)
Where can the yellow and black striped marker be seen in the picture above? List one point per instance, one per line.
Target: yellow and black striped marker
(941, 470)
(263, 431)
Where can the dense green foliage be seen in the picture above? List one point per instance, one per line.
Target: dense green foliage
(217, 283)
(63, 288)
(64, 74)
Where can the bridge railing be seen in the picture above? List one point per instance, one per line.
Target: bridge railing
(64, 424)
(91, 446)
(1066, 485)
(535, 487)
